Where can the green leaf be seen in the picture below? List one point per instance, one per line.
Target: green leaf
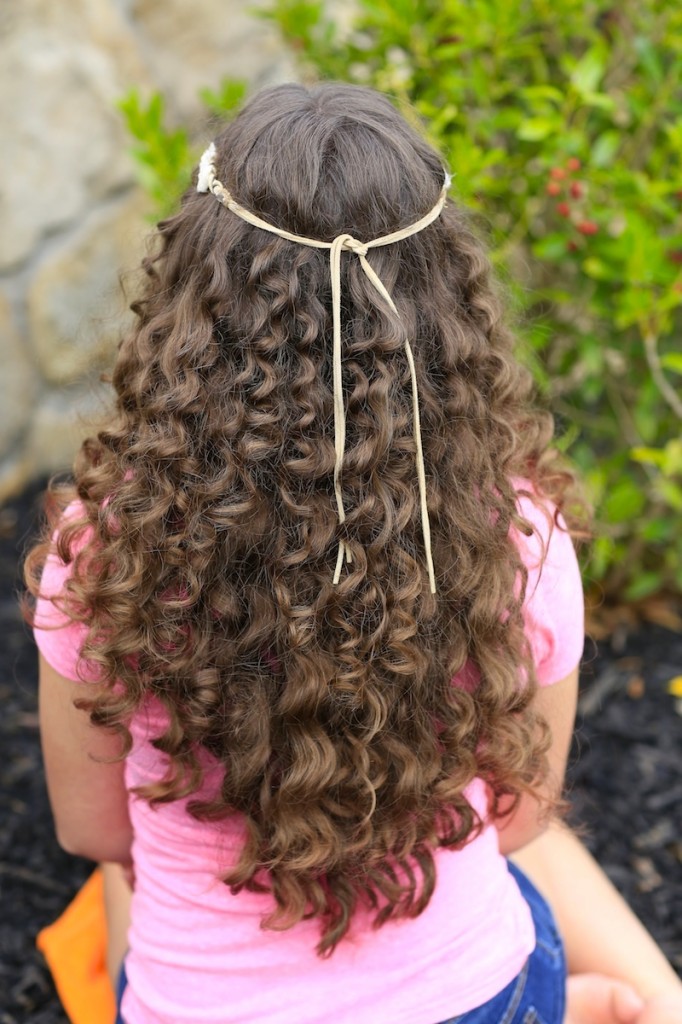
(552, 247)
(588, 71)
(535, 128)
(605, 148)
(672, 361)
(296, 18)
(623, 502)
(672, 465)
(229, 95)
(536, 93)
(596, 268)
(649, 57)
(657, 531)
(648, 456)
(602, 555)
(164, 159)
(598, 99)
(670, 492)
(643, 585)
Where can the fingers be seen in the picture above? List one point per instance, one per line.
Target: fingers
(600, 999)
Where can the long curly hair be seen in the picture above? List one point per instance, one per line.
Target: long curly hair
(208, 507)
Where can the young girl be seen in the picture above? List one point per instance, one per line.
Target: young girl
(310, 617)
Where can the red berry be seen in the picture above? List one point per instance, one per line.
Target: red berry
(558, 173)
(587, 227)
(674, 255)
(554, 188)
(574, 164)
(576, 189)
(571, 245)
(563, 209)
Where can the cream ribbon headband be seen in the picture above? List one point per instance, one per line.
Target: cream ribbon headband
(207, 182)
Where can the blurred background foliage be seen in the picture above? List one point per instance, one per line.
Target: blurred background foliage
(561, 121)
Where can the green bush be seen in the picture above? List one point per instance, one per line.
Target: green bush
(164, 157)
(562, 123)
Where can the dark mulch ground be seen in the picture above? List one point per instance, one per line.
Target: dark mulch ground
(626, 788)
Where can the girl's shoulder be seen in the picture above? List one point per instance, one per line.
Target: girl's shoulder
(59, 639)
(553, 608)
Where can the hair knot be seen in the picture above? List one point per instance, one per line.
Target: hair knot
(352, 244)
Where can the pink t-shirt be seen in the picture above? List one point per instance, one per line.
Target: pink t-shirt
(198, 954)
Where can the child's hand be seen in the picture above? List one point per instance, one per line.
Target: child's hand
(599, 999)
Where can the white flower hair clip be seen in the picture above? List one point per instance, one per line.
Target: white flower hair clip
(207, 169)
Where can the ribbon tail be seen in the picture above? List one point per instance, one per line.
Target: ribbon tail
(416, 426)
(421, 474)
(378, 283)
(339, 412)
(339, 563)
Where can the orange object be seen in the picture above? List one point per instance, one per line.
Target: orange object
(75, 950)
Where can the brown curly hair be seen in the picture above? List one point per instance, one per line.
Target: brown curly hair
(206, 580)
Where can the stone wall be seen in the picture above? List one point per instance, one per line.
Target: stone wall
(71, 218)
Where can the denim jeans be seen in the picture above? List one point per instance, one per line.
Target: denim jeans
(120, 988)
(536, 996)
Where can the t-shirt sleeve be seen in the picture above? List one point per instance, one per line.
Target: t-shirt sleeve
(554, 609)
(60, 640)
